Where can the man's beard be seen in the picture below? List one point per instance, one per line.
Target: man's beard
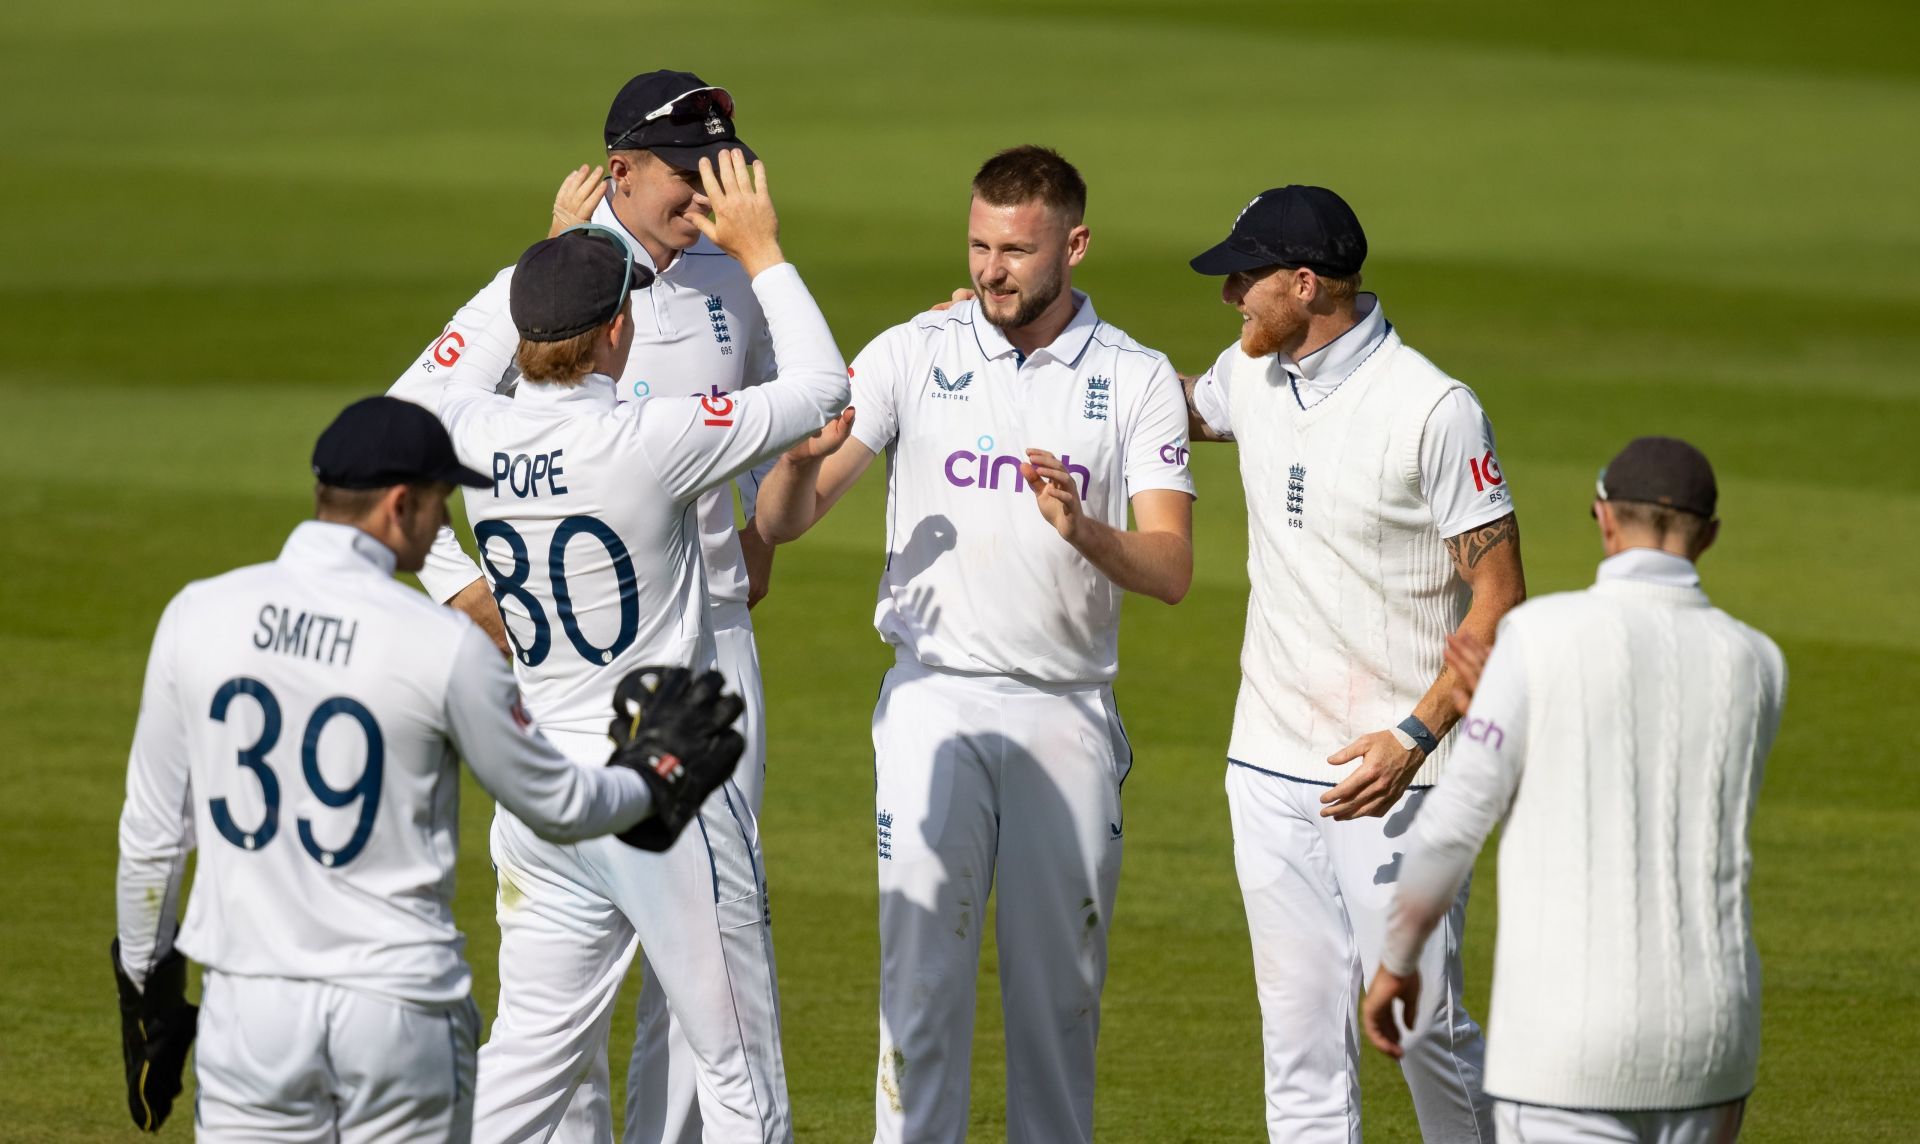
(1265, 334)
(1032, 302)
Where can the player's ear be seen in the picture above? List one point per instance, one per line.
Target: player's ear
(1077, 241)
(1708, 535)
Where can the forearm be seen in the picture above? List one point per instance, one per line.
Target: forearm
(788, 504)
(1436, 708)
(476, 601)
(1152, 563)
(756, 553)
(1487, 558)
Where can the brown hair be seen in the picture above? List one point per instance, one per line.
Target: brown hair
(563, 362)
(1023, 174)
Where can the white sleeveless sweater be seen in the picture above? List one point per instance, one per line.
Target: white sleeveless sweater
(1354, 593)
(1625, 972)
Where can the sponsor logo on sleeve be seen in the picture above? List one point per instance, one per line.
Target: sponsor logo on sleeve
(1175, 453)
(1483, 730)
(517, 711)
(717, 408)
(448, 349)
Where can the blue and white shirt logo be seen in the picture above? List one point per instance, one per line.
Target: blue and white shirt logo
(951, 388)
(717, 318)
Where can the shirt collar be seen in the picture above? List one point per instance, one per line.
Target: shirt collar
(603, 216)
(1321, 372)
(320, 543)
(595, 391)
(1066, 348)
(1651, 565)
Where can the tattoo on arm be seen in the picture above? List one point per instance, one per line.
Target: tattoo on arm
(1472, 546)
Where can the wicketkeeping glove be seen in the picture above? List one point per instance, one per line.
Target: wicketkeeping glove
(677, 732)
(156, 1030)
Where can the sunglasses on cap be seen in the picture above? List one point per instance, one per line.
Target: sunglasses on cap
(687, 107)
(628, 279)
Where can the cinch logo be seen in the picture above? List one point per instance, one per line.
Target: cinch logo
(1174, 454)
(1484, 731)
(968, 469)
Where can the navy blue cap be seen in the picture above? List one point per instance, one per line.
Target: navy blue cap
(378, 442)
(1291, 226)
(677, 116)
(1665, 471)
(565, 286)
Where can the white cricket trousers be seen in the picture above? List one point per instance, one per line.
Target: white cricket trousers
(571, 917)
(662, 1104)
(1316, 893)
(284, 1059)
(974, 774)
(1537, 1124)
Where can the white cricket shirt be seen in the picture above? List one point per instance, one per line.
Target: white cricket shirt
(590, 535)
(1358, 462)
(976, 579)
(300, 722)
(698, 330)
(1621, 732)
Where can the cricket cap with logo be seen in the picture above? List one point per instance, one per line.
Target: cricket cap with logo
(1291, 226)
(1661, 470)
(379, 442)
(677, 116)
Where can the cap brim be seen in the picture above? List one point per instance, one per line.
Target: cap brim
(461, 475)
(688, 158)
(1225, 259)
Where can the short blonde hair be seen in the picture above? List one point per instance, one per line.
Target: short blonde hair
(1339, 289)
(564, 362)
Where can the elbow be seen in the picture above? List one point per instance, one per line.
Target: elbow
(1174, 589)
(775, 531)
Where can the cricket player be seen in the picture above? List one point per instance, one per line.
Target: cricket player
(1379, 522)
(1620, 731)
(300, 718)
(1018, 429)
(698, 331)
(591, 540)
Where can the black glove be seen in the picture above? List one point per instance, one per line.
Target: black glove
(677, 732)
(156, 1030)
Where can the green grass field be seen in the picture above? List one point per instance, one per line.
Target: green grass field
(223, 221)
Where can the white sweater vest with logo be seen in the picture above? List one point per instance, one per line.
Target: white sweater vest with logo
(1354, 593)
(1625, 973)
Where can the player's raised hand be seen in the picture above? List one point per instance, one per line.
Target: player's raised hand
(579, 194)
(744, 223)
(825, 441)
(1053, 490)
(1376, 1012)
(1466, 657)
